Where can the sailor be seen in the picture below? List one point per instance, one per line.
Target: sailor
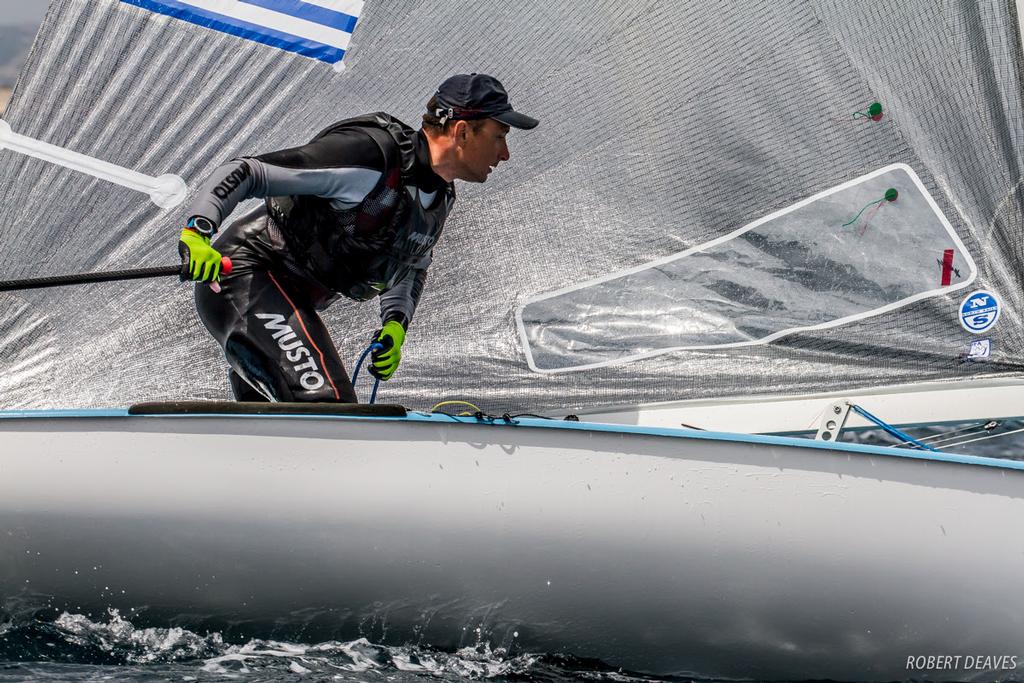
(356, 212)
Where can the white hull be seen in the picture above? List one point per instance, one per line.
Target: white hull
(713, 554)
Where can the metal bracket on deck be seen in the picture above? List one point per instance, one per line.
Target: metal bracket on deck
(833, 420)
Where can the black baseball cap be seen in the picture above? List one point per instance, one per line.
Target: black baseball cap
(478, 96)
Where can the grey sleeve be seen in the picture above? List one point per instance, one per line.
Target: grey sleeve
(399, 303)
(245, 178)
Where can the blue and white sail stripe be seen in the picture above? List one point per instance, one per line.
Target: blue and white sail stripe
(320, 29)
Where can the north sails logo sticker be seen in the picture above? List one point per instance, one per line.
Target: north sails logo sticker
(294, 350)
(979, 311)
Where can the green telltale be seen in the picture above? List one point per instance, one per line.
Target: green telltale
(891, 194)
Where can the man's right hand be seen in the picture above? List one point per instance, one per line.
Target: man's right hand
(199, 261)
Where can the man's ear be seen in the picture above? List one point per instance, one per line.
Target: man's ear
(460, 131)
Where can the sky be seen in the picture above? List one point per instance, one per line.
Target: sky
(22, 11)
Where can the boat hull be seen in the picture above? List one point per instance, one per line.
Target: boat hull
(657, 552)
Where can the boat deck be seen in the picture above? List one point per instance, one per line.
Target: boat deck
(327, 411)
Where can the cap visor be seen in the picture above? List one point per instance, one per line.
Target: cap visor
(516, 120)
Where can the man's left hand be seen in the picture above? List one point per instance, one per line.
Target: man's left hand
(199, 261)
(385, 361)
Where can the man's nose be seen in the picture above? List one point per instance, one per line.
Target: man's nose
(503, 154)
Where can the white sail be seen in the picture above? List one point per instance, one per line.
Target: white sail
(666, 127)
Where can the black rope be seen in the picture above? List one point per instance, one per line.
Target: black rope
(85, 278)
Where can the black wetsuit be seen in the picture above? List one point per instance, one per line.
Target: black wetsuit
(356, 212)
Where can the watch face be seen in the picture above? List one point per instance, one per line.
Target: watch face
(202, 225)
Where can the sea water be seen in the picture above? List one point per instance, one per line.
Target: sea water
(76, 648)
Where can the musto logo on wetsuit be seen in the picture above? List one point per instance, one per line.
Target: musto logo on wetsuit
(295, 350)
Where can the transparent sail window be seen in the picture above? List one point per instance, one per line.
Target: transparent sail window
(844, 254)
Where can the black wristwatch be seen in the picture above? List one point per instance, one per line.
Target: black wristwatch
(204, 226)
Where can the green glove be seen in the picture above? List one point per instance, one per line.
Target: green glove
(385, 361)
(199, 261)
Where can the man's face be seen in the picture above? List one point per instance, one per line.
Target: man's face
(482, 150)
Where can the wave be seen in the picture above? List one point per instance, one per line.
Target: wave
(75, 647)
